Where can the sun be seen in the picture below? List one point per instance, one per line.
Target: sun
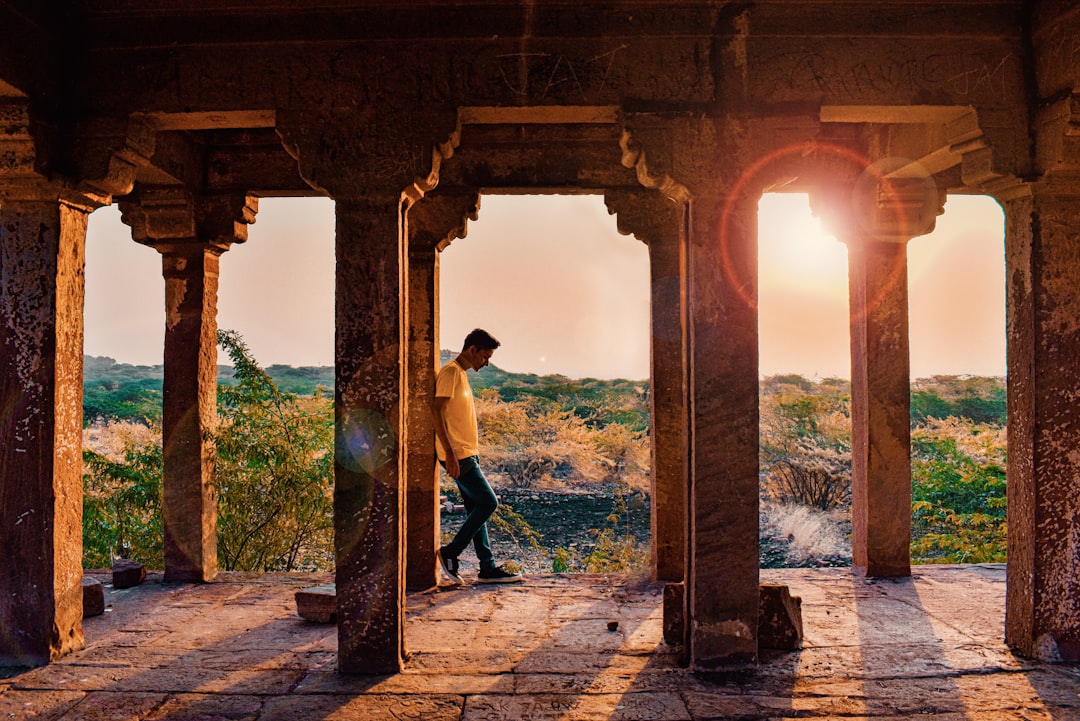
(795, 250)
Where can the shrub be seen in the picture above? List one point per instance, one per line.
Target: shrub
(122, 495)
(274, 472)
(958, 492)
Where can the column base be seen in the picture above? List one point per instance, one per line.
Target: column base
(882, 571)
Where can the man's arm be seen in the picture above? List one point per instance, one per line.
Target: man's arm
(439, 416)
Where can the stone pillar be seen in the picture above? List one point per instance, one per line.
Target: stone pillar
(876, 216)
(373, 164)
(880, 408)
(369, 462)
(1042, 617)
(191, 234)
(42, 252)
(432, 223)
(722, 568)
(661, 223)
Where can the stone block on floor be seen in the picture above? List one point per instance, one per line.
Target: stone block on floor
(779, 618)
(317, 603)
(93, 597)
(674, 613)
(127, 573)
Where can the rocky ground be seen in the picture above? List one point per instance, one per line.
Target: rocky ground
(571, 520)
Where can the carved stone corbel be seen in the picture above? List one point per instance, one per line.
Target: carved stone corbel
(367, 151)
(651, 217)
(440, 218)
(159, 214)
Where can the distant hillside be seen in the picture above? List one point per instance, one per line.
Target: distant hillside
(114, 390)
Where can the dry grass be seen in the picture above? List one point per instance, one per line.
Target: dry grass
(810, 534)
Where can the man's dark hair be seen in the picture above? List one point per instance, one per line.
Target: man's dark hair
(481, 339)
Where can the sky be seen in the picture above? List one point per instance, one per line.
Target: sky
(565, 293)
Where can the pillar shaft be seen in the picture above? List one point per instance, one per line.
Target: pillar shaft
(880, 409)
(1042, 618)
(42, 253)
(667, 269)
(422, 501)
(369, 463)
(431, 224)
(722, 569)
(191, 232)
(661, 223)
(189, 410)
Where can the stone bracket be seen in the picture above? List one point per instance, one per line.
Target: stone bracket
(163, 214)
(439, 218)
(651, 217)
(354, 153)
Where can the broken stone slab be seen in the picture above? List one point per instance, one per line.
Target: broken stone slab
(127, 573)
(93, 597)
(317, 603)
(779, 618)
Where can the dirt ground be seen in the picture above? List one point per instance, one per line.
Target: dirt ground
(571, 520)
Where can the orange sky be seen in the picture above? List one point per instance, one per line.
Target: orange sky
(552, 278)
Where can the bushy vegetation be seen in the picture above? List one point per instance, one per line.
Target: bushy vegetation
(958, 460)
(537, 443)
(539, 434)
(122, 494)
(274, 471)
(958, 491)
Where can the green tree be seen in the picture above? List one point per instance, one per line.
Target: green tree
(274, 471)
(122, 504)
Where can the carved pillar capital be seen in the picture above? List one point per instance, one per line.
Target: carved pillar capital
(348, 153)
(690, 156)
(102, 164)
(880, 205)
(649, 216)
(438, 219)
(165, 216)
(25, 163)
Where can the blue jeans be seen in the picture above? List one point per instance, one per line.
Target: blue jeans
(480, 502)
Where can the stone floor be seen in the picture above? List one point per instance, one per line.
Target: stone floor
(927, 647)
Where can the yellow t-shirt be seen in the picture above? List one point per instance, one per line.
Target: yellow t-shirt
(460, 413)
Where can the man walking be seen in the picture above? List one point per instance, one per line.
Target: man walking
(456, 442)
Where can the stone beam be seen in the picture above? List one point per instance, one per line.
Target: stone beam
(190, 232)
(538, 156)
(661, 224)
(42, 251)
(431, 224)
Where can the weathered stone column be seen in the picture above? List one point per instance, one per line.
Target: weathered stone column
(42, 252)
(677, 156)
(1042, 617)
(722, 573)
(432, 223)
(374, 164)
(370, 399)
(880, 408)
(876, 216)
(661, 224)
(191, 234)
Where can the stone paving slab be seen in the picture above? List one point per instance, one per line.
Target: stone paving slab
(235, 650)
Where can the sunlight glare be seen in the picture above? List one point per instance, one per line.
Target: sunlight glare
(796, 250)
